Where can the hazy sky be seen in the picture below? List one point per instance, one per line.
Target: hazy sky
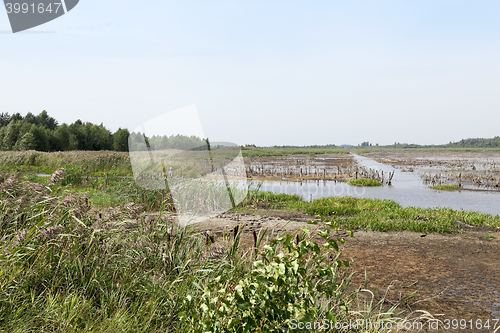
(266, 72)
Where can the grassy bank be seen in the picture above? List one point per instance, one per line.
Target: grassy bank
(375, 214)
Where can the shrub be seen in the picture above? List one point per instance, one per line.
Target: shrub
(295, 279)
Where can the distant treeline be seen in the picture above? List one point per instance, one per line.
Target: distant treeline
(43, 133)
(157, 142)
(476, 143)
(464, 143)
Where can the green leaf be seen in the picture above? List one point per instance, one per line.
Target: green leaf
(242, 305)
(268, 248)
(258, 263)
(334, 244)
(233, 322)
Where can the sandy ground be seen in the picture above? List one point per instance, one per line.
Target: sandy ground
(453, 276)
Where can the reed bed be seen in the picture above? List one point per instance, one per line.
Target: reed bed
(86, 162)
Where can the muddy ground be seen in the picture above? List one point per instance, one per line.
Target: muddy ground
(453, 276)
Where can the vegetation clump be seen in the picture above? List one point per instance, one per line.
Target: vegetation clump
(364, 182)
(445, 187)
(292, 278)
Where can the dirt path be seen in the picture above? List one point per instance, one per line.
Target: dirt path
(454, 276)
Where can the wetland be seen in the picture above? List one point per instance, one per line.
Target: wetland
(432, 253)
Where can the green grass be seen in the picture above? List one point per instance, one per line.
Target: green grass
(87, 278)
(111, 163)
(364, 182)
(363, 150)
(69, 265)
(65, 268)
(380, 215)
(445, 187)
(114, 191)
(37, 179)
(259, 151)
(489, 236)
(89, 163)
(375, 214)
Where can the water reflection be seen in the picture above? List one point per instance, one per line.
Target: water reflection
(406, 189)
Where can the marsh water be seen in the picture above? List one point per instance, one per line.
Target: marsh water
(406, 189)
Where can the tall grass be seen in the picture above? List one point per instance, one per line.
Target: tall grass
(86, 162)
(99, 163)
(64, 267)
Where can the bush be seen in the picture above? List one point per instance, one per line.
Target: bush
(296, 279)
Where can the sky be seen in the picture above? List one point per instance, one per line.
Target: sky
(266, 72)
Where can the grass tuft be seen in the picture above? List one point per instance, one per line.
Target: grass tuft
(445, 187)
(364, 182)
